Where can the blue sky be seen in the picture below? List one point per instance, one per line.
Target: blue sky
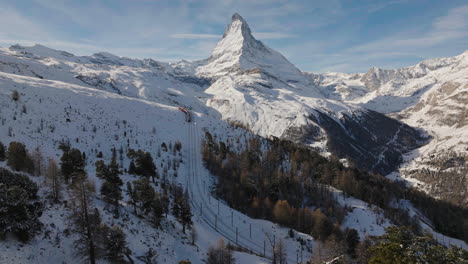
(332, 35)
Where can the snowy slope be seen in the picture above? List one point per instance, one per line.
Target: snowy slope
(103, 101)
(431, 95)
(93, 121)
(256, 86)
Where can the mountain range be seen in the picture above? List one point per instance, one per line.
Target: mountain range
(387, 121)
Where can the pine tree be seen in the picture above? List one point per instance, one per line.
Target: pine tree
(2, 152)
(185, 214)
(18, 158)
(19, 209)
(165, 203)
(144, 193)
(132, 168)
(72, 163)
(101, 169)
(352, 240)
(110, 189)
(115, 245)
(144, 164)
(157, 210)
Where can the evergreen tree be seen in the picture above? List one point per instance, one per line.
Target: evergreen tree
(185, 213)
(19, 209)
(115, 245)
(352, 240)
(165, 203)
(72, 163)
(157, 210)
(144, 194)
(144, 164)
(132, 169)
(402, 245)
(101, 169)
(2, 152)
(18, 158)
(110, 189)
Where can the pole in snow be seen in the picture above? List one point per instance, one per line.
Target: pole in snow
(218, 206)
(236, 235)
(232, 218)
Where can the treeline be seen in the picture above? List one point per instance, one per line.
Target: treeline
(277, 179)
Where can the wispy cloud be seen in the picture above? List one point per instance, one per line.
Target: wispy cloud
(272, 35)
(315, 35)
(402, 48)
(446, 28)
(258, 35)
(194, 36)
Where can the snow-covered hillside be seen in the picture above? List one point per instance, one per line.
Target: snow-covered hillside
(375, 120)
(431, 95)
(96, 121)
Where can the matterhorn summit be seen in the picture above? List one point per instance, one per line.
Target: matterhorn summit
(239, 51)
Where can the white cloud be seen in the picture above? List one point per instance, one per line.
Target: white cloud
(272, 35)
(258, 35)
(194, 36)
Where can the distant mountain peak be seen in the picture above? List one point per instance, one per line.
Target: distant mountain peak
(236, 16)
(237, 38)
(238, 51)
(238, 26)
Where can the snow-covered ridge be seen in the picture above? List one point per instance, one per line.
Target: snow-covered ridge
(246, 81)
(431, 95)
(243, 80)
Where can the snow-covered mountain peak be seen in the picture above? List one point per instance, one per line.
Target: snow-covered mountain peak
(238, 26)
(40, 50)
(239, 51)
